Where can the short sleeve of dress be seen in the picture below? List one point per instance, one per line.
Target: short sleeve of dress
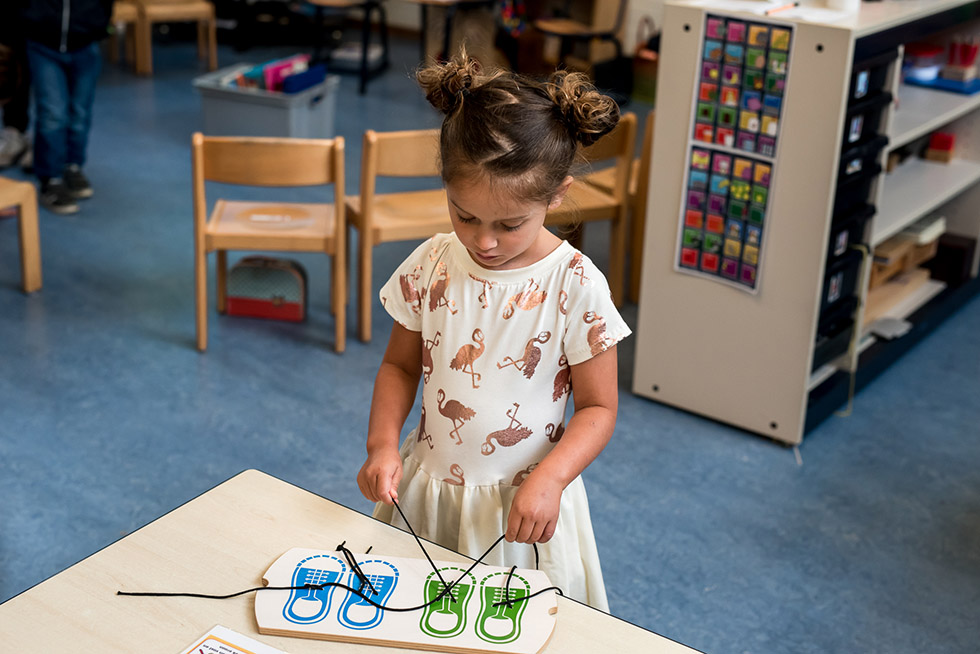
(403, 294)
(593, 322)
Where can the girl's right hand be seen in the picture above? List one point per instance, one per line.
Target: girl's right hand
(380, 475)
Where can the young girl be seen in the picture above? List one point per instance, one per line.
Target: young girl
(501, 320)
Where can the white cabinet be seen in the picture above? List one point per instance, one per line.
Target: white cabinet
(754, 359)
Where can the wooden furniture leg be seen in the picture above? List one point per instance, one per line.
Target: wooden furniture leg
(201, 295)
(221, 270)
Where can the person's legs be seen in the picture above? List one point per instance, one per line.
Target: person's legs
(83, 73)
(84, 68)
(50, 79)
(49, 76)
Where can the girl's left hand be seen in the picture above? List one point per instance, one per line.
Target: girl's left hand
(534, 511)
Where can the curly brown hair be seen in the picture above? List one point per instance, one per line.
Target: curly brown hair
(514, 131)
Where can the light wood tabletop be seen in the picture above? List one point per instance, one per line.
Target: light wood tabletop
(222, 542)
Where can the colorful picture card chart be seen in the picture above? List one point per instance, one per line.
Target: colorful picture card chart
(742, 80)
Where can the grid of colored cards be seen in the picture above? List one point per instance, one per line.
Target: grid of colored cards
(724, 215)
(741, 84)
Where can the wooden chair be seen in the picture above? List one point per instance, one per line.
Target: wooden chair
(23, 196)
(587, 202)
(235, 225)
(176, 11)
(639, 188)
(125, 16)
(570, 31)
(408, 215)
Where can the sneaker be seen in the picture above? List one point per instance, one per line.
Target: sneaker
(13, 147)
(56, 198)
(77, 183)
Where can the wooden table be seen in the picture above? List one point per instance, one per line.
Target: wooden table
(222, 542)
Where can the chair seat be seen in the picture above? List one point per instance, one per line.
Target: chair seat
(563, 27)
(292, 227)
(605, 179)
(405, 216)
(177, 12)
(585, 203)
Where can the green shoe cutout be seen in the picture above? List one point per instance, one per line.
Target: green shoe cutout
(445, 618)
(501, 624)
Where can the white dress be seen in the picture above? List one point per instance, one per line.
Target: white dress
(497, 346)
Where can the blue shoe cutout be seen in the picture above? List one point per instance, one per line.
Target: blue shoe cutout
(355, 612)
(309, 605)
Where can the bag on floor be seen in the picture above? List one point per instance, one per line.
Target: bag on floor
(265, 287)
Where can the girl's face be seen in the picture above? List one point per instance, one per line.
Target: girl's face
(499, 232)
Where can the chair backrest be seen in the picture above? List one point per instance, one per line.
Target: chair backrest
(266, 161)
(618, 144)
(410, 153)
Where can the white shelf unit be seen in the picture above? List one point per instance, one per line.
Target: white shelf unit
(747, 359)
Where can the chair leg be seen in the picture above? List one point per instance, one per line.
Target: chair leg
(201, 296)
(212, 43)
(221, 269)
(202, 36)
(339, 285)
(30, 242)
(144, 47)
(364, 271)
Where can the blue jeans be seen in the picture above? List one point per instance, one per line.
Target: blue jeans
(64, 91)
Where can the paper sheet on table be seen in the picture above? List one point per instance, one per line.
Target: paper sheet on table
(222, 640)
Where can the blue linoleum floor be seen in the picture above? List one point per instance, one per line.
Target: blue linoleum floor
(709, 535)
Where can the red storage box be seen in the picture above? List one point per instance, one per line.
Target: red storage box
(265, 287)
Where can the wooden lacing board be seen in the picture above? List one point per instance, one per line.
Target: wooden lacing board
(471, 623)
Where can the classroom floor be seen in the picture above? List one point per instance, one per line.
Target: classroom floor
(867, 541)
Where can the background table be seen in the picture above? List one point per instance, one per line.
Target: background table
(222, 542)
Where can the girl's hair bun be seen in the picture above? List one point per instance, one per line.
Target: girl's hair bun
(446, 84)
(586, 112)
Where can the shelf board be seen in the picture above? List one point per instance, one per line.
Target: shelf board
(917, 187)
(922, 110)
(820, 375)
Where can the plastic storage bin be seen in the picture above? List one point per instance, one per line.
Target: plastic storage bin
(234, 111)
(861, 157)
(840, 279)
(870, 76)
(848, 230)
(863, 120)
(834, 332)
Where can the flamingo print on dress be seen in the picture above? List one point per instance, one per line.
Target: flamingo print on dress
(563, 380)
(437, 291)
(553, 433)
(427, 365)
(467, 355)
(410, 291)
(523, 474)
(577, 267)
(597, 332)
(562, 299)
(509, 437)
(487, 285)
(527, 299)
(422, 434)
(457, 412)
(532, 354)
(456, 477)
